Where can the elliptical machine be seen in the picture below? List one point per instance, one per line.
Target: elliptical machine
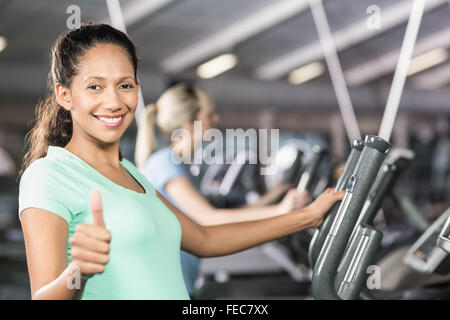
(346, 244)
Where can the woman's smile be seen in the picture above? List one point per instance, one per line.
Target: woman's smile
(111, 120)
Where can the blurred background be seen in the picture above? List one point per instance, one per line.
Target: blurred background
(265, 70)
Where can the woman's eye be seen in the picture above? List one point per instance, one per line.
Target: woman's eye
(94, 87)
(127, 86)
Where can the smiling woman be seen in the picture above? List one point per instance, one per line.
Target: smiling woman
(105, 90)
(73, 148)
(94, 226)
(73, 84)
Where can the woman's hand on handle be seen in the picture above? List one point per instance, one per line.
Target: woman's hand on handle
(319, 208)
(90, 242)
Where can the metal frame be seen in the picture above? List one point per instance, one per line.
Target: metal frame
(367, 239)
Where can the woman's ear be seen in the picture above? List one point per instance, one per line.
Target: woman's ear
(63, 96)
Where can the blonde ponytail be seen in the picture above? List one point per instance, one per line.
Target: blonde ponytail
(178, 105)
(145, 139)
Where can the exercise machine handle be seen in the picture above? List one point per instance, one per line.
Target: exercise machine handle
(382, 185)
(358, 187)
(358, 258)
(321, 233)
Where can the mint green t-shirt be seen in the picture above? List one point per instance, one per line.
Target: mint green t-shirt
(144, 258)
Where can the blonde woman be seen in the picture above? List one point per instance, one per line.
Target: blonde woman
(178, 108)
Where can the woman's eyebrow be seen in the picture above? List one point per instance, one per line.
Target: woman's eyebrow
(102, 78)
(126, 77)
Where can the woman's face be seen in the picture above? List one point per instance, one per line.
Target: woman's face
(207, 116)
(104, 94)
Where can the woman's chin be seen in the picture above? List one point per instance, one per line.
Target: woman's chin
(109, 139)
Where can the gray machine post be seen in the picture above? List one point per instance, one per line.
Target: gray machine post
(367, 238)
(413, 214)
(363, 248)
(358, 186)
(363, 235)
(395, 163)
(355, 263)
(311, 170)
(322, 232)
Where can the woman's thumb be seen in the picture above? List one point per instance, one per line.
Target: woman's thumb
(96, 208)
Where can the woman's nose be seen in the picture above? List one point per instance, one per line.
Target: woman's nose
(113, 101)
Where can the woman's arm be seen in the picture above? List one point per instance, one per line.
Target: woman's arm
(46, 242)
(230, 238)
(193, 204)
(45, 236)
(272, 195)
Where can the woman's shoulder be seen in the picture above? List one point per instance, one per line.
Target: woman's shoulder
(43, 166)
(48, 170)
(165, 158)
(161, 154)
(46, 184)
(163, 166)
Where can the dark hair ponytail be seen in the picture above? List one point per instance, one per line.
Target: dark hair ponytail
(53, 123)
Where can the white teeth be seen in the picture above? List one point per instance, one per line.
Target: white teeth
(110, 120)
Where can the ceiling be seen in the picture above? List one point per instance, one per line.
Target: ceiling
(270, 39)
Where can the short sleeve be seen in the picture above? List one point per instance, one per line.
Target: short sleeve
(160, 169)
(45, 185)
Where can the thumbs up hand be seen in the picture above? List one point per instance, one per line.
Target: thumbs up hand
(90, 242)
(96, 209)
